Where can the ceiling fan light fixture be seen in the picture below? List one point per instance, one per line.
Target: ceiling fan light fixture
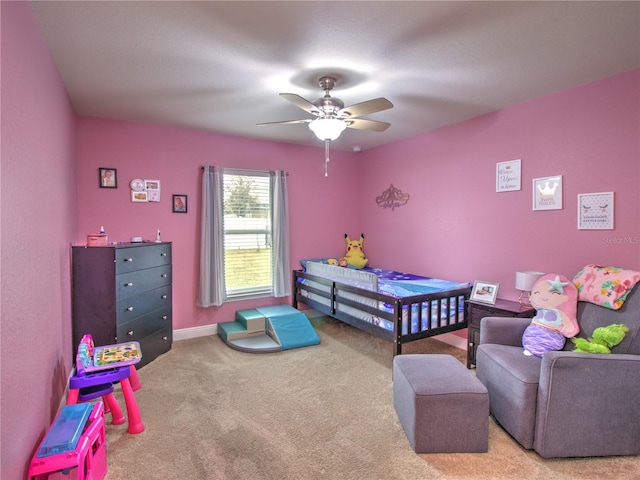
(327, 128)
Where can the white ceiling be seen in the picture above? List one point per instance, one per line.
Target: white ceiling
(219, 66)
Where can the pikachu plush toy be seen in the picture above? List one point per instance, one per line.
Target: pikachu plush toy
(355, 252)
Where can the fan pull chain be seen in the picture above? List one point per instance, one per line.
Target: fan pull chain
(326, 158)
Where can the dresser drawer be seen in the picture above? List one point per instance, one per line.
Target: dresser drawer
(141, 257)
(156, 344)
(136, 330)
(143, 303)
(133, 283)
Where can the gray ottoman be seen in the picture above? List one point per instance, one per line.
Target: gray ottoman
(442, 407)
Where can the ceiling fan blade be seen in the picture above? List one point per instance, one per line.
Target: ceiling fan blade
(365, 108)
(300, 102)
(364, 124)
(286, 122)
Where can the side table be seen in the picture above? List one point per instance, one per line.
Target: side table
(476, 311)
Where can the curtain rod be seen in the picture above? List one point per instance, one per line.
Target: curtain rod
(243, 169)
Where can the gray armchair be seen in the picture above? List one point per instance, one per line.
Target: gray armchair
(566, 404)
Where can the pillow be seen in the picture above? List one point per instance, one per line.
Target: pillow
(304, 261)
(605, 286)
(325, 261)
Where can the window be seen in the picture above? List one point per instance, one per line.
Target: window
(244, 239)
(248, 252)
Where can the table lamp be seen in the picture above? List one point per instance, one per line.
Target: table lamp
(525, 282)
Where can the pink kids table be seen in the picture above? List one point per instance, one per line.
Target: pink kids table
(100, 367)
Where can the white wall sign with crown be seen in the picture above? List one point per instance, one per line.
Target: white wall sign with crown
(547, 193)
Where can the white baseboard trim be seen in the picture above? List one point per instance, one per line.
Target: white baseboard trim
(195, 332)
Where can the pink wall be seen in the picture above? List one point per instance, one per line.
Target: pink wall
(456, 226)
(174, 156)
(38, 224)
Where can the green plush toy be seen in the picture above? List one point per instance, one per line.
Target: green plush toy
(602, 339)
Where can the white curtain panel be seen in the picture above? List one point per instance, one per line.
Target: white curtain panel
(211, 286)
(281, 271)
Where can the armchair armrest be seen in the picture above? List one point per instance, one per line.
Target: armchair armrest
(503, 331)
(588, 405)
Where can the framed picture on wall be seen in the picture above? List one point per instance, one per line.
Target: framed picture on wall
(152, 184)
(547, 193)
(484, 292)
(179, 203)
(108, 177)
(508, 176)
(595, 211)
(153, 190)
(153, 195)
(139, 196)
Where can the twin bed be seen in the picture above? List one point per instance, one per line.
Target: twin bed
(395, 306)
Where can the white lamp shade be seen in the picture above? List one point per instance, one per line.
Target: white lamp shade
(327, 128)
(526, 280)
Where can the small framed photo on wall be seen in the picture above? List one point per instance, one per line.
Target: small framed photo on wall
(179, 203)
(484, 292)
(108, 177)
(142, 196)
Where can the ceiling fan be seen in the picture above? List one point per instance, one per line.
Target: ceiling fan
(332, 117)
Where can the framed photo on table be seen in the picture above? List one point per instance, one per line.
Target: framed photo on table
(484, 292)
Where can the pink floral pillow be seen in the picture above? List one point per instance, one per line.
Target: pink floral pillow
(606, 286)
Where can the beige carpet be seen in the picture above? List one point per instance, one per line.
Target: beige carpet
(321, 412)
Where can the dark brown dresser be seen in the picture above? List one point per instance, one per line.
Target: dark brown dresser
(122, 293)
(476, 311)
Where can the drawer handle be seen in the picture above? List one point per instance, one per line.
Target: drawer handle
(130, 284)
(164, 317)
(164, 297)
(163, 254)
(164, 275)
(130, 309)
(130, 333)
(128, 259)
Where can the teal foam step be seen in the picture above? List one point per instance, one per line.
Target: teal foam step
(268, 329)
(233, 330)
(252, 319)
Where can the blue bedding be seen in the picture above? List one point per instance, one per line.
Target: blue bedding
(400, 285)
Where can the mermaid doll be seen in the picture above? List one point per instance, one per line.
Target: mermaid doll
(556, 301)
